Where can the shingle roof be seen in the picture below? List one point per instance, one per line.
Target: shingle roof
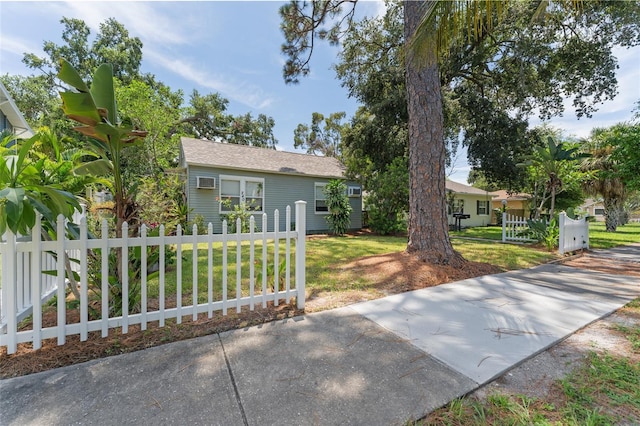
(504, 195)
(464, 189)
(200, 152)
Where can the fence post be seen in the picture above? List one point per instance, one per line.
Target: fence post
(301, 230)
(9, 291)
(504, 226)
(561, 224)
(586, 231)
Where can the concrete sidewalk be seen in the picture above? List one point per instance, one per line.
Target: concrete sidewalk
(381, 362)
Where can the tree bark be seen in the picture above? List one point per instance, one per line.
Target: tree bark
(612, 209)
(428, 225)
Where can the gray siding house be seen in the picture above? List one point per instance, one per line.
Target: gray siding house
(265, 178)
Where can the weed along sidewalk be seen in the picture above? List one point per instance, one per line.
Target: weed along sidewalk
(385, 361)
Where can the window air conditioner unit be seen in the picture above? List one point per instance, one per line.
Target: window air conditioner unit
(204, 182)
(355, 191)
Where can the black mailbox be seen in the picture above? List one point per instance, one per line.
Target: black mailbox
(458, 218)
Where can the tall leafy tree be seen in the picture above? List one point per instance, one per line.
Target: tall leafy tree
(323, 136)
(492, 84)
(428, 228)
(111, 45)
(613, 166)
(155, 108)
(626, 139)
(206, 118)
(555, 164)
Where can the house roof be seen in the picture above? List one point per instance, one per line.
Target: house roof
(504, 195)
(13, 114)
(589, 202)
(198, 152)
(460, 188)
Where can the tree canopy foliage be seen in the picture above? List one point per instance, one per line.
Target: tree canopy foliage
(323, 136)
(492, 85)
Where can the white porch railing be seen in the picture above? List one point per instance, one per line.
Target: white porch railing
(248, 291)
(574, 234)
(514, 228)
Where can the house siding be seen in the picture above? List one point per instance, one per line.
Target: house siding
(279, 190)
(470, 208)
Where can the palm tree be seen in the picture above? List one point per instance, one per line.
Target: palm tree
(554, 163)
(603, 179)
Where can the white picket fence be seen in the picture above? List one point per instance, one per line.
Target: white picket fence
(514, 228)
(248, 292)
(574, 234)
(48, 283)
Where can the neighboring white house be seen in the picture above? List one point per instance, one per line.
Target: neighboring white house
(594, 208)
(470, 201)
(11, 118)
(266, 178)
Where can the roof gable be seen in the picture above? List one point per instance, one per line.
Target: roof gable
(13, 114)
(504, 195)
(460, 188)
(199, 152)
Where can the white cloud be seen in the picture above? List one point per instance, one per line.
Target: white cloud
(17, 46)
(142, 19)
(245, 93)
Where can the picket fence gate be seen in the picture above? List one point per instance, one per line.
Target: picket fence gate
(574, 234)
(20, 281)
(514, 228)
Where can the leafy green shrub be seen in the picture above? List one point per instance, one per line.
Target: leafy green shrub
(388, 200)
(339, 217)
(161, 201)
(240, 211)
(543, 232)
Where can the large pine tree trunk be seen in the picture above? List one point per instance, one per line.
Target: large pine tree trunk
(428, 226)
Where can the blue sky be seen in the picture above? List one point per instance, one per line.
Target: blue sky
(233, 48)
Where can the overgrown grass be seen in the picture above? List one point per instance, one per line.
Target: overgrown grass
(605, 390)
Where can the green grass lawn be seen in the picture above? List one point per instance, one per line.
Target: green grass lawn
(328, 256)
(484, 232)
(598, 237)
(326, 260)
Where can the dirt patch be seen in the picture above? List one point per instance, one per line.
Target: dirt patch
(603, 264)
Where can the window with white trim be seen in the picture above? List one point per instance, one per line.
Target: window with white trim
(482, 208)
(239, 190)
(458, 206)
(320, 199)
